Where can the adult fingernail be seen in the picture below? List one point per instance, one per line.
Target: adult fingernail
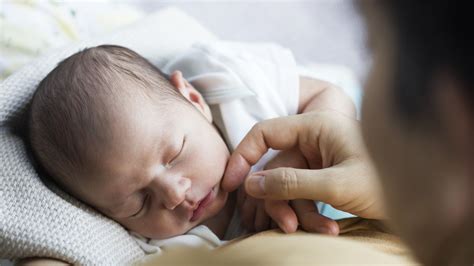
(256, 185)
(328, 231)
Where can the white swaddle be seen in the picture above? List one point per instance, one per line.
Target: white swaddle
(198, 236)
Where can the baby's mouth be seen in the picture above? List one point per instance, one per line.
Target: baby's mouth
(202, 204)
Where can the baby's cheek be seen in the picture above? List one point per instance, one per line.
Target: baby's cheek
(219, 204)
(162, 225)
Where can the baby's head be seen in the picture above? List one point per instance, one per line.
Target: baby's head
(140, 147)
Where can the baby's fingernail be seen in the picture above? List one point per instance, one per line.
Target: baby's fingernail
(256, 185)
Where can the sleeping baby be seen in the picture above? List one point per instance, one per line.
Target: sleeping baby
(148, 147)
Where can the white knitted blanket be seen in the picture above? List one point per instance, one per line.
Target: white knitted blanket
(39, 220)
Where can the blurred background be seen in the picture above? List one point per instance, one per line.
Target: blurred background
(317, 31)
(322, 31)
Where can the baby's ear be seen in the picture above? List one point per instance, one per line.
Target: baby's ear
(190, 93)
(177, 80)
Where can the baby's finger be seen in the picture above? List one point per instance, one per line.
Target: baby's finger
(262, 220)
(282, 214)
(311, 220)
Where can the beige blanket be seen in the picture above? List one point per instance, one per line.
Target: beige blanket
(361, 241)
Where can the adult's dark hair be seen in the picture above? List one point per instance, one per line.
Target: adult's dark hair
(431, 37)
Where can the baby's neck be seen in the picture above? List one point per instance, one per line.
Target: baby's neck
(219, 223)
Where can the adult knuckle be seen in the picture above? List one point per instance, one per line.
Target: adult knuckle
(288, 182)
(257, 128)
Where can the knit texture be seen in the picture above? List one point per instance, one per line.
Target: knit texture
(37, 219)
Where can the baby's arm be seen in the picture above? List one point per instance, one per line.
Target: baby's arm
(317, 94)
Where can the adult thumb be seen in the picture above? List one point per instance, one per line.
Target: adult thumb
(290, 183)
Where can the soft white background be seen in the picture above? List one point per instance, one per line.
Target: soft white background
(321, 31)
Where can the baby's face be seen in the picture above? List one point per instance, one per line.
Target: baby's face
(162, 175)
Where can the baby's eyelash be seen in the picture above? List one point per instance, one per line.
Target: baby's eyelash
(177, 155)
(141, 208)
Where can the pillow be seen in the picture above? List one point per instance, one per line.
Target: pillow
(36, 218)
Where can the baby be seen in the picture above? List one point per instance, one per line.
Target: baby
(149, 149)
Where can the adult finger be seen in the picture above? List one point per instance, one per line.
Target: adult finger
(241, 197)
(248, 212)
(279, 133)
(350, 186)
(282, 214)
(288, 183)
(288, 158)
(262, 220)
(273, 224)
(311, 220)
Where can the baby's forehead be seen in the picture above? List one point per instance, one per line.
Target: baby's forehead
(139, 133)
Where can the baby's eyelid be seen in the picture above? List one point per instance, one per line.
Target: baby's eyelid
(180, 151)
(141, 208)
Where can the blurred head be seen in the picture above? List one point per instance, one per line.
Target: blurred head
(140, 147)
(418, 122)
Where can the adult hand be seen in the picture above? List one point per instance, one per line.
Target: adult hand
(256, 213)
(340, 172)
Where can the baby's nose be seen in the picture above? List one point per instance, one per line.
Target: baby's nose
(175, 193)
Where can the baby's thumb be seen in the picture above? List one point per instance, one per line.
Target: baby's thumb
(289, 183)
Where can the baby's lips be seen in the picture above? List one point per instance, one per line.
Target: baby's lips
(203, 204)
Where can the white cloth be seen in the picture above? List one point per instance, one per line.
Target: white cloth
(198, 236)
